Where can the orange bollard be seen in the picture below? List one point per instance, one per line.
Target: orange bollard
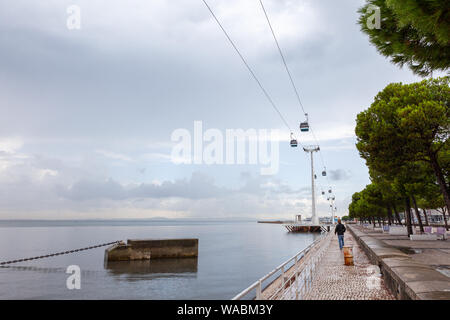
(348, 255)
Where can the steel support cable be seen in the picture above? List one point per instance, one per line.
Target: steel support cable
(248, 67)
(323, 161)
(282, 58)
(290, 77)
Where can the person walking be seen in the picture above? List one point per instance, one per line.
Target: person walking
(340, 230)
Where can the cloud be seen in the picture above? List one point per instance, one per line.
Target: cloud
(10, 145)
(199, 186)
(97, 106)
(113, 155)
(34, 184)
(339, 174)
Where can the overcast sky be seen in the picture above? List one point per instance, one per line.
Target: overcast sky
(86, 116)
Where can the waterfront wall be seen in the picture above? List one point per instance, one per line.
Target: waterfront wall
(405, 278)
(152, 249)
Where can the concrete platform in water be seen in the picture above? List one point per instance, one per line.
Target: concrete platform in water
(152, 249)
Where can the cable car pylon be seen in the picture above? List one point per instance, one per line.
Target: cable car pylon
(311, 150)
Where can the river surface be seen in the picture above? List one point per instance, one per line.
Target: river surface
(232, 255)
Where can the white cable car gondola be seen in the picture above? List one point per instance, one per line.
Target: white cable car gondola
(304, 126)
(294, 143)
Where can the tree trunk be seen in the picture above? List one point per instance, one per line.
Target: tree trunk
(389, 214)
(417, 213)
(374, 222)
(397, 215)
(426, 217)
(445, 218)
(379, 221)
(440, 179)
(408, 215)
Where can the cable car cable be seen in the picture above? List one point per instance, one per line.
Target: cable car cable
(282, 57)
(248, 67)
(292, 83)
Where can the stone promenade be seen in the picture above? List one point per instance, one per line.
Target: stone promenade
(335, 281)
(417, 270)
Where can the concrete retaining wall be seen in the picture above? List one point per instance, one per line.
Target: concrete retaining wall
(153, 249)
(405, 278)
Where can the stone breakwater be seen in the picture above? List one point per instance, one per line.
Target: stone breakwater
(152, 249)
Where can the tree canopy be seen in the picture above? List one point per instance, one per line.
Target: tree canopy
(412, 32)
(408, 123)
(403, 136)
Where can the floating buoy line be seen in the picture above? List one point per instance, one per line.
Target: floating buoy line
(59, 253)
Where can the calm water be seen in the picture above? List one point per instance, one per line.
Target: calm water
(232, 255)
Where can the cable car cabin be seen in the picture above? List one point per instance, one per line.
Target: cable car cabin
(329, 191)
(304, 127)
(294, 143)
(324, 173)
(323, 192)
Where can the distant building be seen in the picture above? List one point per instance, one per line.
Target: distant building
(434, 216)
(325, 220)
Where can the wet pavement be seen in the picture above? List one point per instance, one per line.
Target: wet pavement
(333, 280)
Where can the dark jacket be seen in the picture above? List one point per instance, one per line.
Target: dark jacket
(340, 229)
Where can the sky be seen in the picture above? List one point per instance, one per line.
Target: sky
(87, 115)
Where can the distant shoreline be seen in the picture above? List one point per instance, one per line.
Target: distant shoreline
(130, 219)
(114, 222)
(274, 221)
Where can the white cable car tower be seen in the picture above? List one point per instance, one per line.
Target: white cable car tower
(311, 150)
(304, 126)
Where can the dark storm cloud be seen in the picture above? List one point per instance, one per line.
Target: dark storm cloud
(199, 186)
(339, 175)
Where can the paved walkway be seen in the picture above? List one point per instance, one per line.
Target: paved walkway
(417, 270)
(435, 253)
(333, 280)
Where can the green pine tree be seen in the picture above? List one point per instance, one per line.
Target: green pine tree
(415, 33)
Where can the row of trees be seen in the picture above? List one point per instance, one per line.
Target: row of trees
(403, 136)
